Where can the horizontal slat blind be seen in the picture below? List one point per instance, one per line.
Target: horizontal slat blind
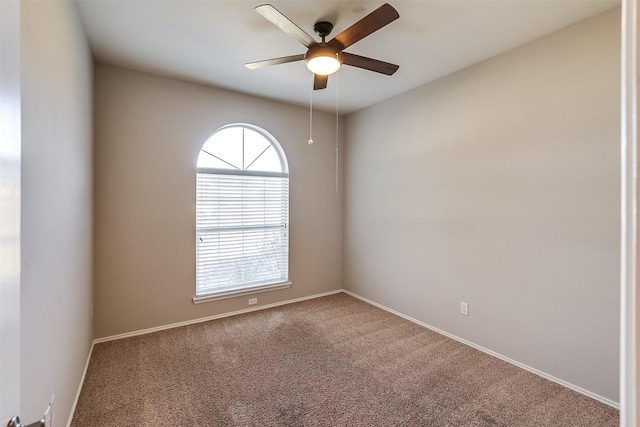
(242, 228)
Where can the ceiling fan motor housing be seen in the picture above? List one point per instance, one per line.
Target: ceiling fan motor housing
(322, 51)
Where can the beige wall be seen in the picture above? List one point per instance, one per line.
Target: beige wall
(149, 131)
(499, 186)
(56, 227)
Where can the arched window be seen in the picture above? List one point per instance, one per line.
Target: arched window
(242, 213)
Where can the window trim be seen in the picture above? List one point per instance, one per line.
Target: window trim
(265, 287)
(284, 162)
(216, 296)
(215, 171)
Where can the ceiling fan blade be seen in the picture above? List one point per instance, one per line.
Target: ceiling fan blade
(319, 82)
(285, 24)
(369, 63)
(377, 19)
(274, 61)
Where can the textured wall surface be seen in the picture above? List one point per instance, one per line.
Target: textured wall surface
(149, 131)
(499, 186)
(57, 197)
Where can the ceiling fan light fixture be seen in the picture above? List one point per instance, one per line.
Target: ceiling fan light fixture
(323, 60)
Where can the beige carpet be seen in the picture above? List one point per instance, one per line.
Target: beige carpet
(332, 361)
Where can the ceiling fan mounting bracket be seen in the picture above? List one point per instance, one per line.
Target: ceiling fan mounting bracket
(323, 28)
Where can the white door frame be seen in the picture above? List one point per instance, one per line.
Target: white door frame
(629, 261)
(10, 139)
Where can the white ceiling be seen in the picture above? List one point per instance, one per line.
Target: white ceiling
(208, 41)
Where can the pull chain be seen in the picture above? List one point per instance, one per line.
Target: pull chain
(311, 110)
(337, 130)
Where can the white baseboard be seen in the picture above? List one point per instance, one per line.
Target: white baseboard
(411, 319)
(217, 316)
(493, 353)
(84, 374)
(177, 325)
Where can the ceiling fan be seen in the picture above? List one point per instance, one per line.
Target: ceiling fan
(324, 58)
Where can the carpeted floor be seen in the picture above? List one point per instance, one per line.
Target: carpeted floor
(332, 361)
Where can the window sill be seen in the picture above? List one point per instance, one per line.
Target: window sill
(215, 296)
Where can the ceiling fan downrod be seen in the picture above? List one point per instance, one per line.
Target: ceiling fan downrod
(323, 29)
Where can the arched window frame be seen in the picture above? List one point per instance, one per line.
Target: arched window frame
(254, 225)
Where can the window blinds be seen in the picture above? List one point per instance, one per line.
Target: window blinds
(242, 226)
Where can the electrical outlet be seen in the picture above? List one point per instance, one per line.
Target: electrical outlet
(253, 301)
(464, 308)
